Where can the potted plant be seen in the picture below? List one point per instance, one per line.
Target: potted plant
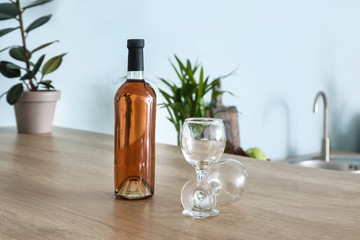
(187, 99)
(34, 97)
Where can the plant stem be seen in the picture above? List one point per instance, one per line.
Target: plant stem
(26, 85)
(26, 55)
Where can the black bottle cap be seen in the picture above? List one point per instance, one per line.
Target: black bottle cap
(135, 43)
(135, 58)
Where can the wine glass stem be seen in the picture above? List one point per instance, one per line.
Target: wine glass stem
(201, 174)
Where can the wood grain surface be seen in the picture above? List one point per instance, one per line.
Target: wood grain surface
(60, 186)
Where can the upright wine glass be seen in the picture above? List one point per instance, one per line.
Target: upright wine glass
(202, 144)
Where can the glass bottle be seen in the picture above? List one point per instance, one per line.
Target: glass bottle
(135, 111)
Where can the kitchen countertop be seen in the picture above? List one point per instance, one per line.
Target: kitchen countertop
(312, 155)
(60, 186)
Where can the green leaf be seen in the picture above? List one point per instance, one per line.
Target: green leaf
(166, 82)
(46, 81)
(201, 82)
(5, 49)
(3, 94)
(52, 64)
(43, 46)
(8, 72)
(14, 93)
(38, 22)
(216, 93)
(181, 65)
(196, 66)
(13, 66)
(18, 53)
(6, 31)
(38, 65)
(36, 3)
(165, 95)
(7, 11)
(47, 84)
(27, 75)
(177, 72)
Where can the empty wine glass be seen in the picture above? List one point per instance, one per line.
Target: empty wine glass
(229, 179)
(202, 144)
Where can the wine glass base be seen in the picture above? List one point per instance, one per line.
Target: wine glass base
(201, 214)
(198, 199)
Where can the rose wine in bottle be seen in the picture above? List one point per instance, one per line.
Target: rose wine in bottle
(135, 110)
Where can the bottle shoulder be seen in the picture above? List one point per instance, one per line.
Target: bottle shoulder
(136, 87)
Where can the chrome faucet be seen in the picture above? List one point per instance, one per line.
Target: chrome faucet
(325, 144)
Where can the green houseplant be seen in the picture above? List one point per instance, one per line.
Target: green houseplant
(187, 99)
(33, 86)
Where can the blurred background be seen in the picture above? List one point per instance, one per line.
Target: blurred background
(285, 51)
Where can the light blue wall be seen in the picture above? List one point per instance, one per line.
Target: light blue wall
(286, 52)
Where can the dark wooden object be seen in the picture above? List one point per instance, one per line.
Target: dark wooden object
(230, 117)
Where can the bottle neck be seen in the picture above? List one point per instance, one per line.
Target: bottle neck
(135, 75)
(135, 60)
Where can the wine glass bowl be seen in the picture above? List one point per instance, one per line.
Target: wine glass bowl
(202, 141)
(229, 179)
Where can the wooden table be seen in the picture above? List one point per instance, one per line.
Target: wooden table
(60, 186)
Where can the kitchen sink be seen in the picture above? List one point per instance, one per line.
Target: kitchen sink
(345, 163)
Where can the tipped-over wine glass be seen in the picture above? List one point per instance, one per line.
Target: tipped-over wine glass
(228, 180)
(202, 144)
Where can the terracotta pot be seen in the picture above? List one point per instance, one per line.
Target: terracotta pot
(35, 111)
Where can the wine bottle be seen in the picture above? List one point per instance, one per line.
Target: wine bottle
(135, 111)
